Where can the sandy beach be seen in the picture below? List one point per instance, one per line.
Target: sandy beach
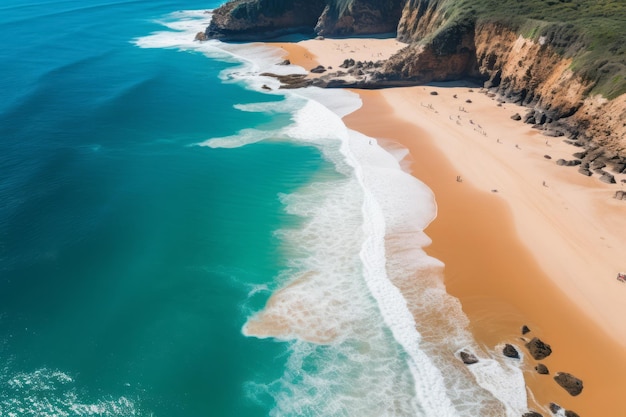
(524, 241)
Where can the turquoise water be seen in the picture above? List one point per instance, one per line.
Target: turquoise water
(175, 240)
(126, 254)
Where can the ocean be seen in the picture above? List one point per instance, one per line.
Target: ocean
(179, 238)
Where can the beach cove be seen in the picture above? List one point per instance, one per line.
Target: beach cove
(524, 241)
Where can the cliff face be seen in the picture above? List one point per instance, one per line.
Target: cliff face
(256, 19)
(420, 18)
(532, 71)
(360, 17)
(261, 19)
(521, 70)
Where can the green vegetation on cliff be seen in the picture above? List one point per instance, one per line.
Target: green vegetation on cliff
(592, 32)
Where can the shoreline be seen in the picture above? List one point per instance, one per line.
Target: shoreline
(518, 256)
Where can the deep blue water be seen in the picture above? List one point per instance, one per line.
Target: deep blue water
(126, 253)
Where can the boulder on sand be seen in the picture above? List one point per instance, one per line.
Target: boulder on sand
(468, 358)
(569, 382)
(510, 352)
(538, 350)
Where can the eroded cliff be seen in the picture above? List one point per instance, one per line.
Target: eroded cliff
(514, 52)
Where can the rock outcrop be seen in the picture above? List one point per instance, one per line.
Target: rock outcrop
(263, 19)
(538, 349)
(569, 382)
(359, 17)
(542, 369)
(555, 408)
(510, 352)
(468, 358)
(246, 20)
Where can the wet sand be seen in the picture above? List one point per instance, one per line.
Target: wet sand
(524, 241)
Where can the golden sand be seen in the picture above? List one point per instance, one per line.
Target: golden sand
(524, 241)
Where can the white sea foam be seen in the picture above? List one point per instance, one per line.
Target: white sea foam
(52, 393)
(372, 330)
(287, 105)
(242, 138)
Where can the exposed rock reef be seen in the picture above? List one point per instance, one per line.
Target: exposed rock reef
(521, 60)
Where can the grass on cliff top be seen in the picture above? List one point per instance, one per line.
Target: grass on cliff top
(592, 32)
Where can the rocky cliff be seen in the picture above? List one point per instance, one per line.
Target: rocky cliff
(261, 19)
(546, 66)
(251, 19)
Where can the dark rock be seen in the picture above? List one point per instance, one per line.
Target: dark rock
(542, 369)
(597, 164)
(434, 93)
(572, 163)
(262, 19)
(555, 408)
(200, 36)
(619, 167)
(468, 358)
(580, 155)
(553, 133)
(360, 17)
(530, 117)
(538, 349)
(595, 153)
(540, 118)
(607, 178)
(516, 116)
(319, 69)
(584, 171)
(525, 328)
(265, 87)
(347, 63)
(510, 352)
(285, 62)
(468, 101)
(569, 382)
(620, 195)
(290, 80)
(532, 414)
(547, 156)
